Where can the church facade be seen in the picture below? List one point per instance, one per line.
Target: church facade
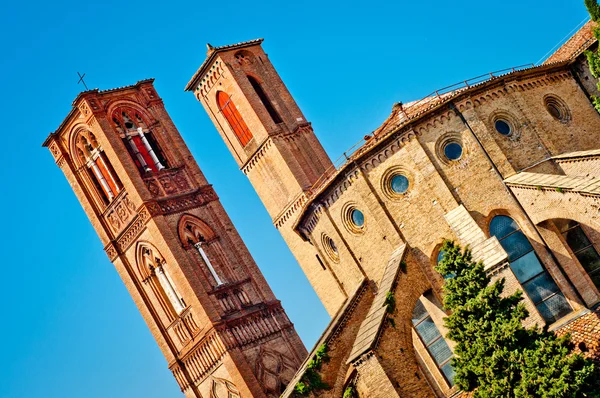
(507, 164)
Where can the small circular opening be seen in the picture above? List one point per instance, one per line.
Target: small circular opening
(503, 127)
(358, 218)
(555, 111)
(330, 248)
(453, 151)
(399, 183)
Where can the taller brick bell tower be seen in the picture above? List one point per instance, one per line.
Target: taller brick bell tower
(221, 329)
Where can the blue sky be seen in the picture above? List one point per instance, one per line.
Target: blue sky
(69, 327)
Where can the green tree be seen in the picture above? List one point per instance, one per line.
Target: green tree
(495, 356)
(593, 56)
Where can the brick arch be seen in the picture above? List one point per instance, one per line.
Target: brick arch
(192, 228)
(146, 255)
(142, 253)
(78, 132)
(566, 212)
(123, 104)
(116, 110)
(500, 212)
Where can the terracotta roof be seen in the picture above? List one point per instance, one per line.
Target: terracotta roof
(212, 54)
(578, 43)
(413, 112)
(369, 329)
(579, 154)
(589, 185)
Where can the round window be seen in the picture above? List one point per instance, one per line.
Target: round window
(503, 127)
(555, 111)
(330, 248)
(357, 217)
(453, 151)
(399, 183)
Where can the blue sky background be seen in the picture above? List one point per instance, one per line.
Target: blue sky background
(69, 328)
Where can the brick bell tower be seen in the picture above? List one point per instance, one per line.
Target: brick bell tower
(260, 122)
(221, 329)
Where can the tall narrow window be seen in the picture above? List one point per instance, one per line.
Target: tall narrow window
(527, 267)
(433, 340)
(156, 267)
(194, 233)
(101, 172)
(582, 247)
(230, 112)
(265, 100)
(139, 141)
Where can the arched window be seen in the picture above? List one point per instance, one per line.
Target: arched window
(101, 172)
(196, 233)
(433, 340)
(151, 267)
(582, 247)
(527, 267)
(230, 112)
(139, 141)
(265, 100)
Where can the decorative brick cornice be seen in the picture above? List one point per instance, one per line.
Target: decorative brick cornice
(290, 210)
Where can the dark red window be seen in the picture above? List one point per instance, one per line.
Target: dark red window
(230, 112)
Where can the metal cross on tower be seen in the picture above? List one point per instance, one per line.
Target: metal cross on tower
(82, 81)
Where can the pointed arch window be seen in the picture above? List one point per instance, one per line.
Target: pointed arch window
(527, 267)
(101, 172)
(153, 271)
(139, 141)
(230, 112)
(582, 247)
(433, 340)
(196, 233)
(265, 100)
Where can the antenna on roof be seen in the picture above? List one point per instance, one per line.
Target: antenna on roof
(562, 41)
(82, 81)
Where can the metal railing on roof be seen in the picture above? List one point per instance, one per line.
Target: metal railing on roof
(433, 98)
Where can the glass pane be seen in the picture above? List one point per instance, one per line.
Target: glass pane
(440, 256)
(589, 259)
(596, 278)
(427, 331)
(576, 239)
(526, 267)
(440, 351)
(540, 287)
(419, 312)
(453, 151)
(516, 245)
(358, 218)
(502, 226)
(563, 225)
(554, 308)
(502, 127)
(448, 371)
(399, 183)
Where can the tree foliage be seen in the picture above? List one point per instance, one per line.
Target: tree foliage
(311, 379)
(592, 56)
(495, 355)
